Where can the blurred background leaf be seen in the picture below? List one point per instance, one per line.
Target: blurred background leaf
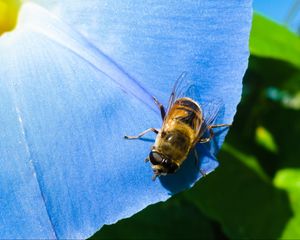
(271, 40)
(289, 179)
(255, 193)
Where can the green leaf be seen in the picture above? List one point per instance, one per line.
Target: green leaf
(265, 139)
(270, 100)
(289, 179)
(271, 40)
(175, 218)
(245, 203)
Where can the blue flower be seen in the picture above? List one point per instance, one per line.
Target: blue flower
(79, 76)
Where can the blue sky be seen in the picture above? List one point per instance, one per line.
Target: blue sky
(278, 10)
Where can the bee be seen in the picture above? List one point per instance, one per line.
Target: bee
(183, 127)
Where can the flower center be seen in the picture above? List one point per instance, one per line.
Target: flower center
(9, 10)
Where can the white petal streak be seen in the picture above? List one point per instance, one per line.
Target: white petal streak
(31, 164)
(36, 18)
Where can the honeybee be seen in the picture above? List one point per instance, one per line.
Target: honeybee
(183, 127)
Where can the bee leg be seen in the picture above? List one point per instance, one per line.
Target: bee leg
(142, 133)
(203, 173)
(196, 162)
(211, 135)
(161, 108)
(219, 125)
(147, 159)
(196, 156)
(154, 177)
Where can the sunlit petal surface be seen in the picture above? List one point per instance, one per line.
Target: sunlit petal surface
(66, 105)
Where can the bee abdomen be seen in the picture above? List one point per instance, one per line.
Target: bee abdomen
(192, 116)
(176, 144)
(188, 104)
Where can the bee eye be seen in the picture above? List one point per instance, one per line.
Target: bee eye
(155, 158)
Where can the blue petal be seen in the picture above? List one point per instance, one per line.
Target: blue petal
(155, 41)
(65, 108)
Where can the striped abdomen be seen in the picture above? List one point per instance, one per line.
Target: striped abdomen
(187, 112)
(180, 130)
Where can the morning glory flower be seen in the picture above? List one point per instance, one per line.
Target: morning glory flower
(76, 76)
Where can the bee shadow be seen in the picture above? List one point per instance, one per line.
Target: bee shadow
(189, 172)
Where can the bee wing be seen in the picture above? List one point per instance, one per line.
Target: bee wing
(179, 89)
(211, 110)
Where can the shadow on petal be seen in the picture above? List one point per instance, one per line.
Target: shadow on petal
(189, 172)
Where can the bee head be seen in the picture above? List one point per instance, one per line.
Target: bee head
(161, 165)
